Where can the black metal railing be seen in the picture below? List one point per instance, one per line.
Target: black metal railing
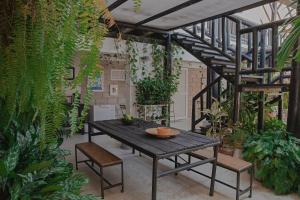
(200, 98)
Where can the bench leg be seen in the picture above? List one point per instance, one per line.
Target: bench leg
(251, 180)
(76, 163)
(133, 151)
(238, 177)
(213, 173)
(101, 182)
(122, 176)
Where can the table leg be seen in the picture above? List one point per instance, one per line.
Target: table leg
(176, 164)
(213, 173)
(154, 178)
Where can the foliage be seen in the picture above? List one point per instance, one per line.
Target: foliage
(39, 40)
(29, 172)
(217, 115)
(290, 45)
(276, 156)
(137, 5)
(157, 86)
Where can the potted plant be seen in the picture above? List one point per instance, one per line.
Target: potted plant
(220, 126)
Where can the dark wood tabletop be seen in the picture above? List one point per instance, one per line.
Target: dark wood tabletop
(135, 136)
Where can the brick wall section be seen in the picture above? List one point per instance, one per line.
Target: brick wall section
(102, 98)
(196, 82)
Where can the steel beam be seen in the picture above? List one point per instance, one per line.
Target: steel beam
(167, 12)
(116, 4)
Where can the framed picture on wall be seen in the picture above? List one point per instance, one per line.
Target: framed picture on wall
(98, 85)
(113, 90)
(70, 75)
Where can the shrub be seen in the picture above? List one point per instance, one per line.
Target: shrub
(276, 155)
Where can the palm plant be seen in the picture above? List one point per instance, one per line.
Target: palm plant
(291, 45)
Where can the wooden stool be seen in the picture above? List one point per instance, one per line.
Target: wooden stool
(102, 158)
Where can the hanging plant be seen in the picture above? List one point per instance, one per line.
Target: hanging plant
(157, 86)
(39, 41)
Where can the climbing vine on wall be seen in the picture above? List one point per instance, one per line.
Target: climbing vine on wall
(156, 86)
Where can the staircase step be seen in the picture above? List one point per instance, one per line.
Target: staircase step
(195, 44)
(251, 78)
(225, 69)
(264, 88)
(220, 61)
(205, 49)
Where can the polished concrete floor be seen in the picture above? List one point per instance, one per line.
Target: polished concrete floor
(138, 175)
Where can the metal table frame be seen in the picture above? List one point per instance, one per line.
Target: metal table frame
(156, 158)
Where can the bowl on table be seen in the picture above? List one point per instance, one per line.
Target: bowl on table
(162, 132)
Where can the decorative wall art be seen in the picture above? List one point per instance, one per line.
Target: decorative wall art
(70, 75)
(113, 90)
(98, 85)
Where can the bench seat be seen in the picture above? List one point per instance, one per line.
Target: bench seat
(99, 155)
(102, 158)
(225, 161)
(233, 164)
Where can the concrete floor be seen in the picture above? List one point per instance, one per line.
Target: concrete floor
(138, 176)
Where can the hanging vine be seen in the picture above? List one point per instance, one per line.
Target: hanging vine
(154, 87)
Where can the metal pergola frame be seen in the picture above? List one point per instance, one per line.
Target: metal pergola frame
(139, 26)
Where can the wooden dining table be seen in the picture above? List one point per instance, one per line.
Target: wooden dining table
(186, 142)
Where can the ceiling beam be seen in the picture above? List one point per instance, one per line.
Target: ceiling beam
(169, 11)
(116, 4)
(142, 28)
(254, 5)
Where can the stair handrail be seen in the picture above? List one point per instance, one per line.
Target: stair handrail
(201, 93)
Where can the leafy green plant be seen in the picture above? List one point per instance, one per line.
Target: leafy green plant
(39, 40)
(290, 44)
(30, 172)
(276, 155)
(217, 116)
(158, 86)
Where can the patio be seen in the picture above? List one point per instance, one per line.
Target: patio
(138, 176)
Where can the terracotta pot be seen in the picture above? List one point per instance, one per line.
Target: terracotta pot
(226, 150)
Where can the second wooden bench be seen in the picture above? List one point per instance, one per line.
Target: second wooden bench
(230, 163)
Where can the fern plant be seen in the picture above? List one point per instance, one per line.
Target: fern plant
(39, 40)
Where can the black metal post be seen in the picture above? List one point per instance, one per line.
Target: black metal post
(154, 178)
(102, 183)
(255, 51)
(224, 35)
(261, 103)
(168, 70)
(261, 100)
(213, 173)
(293, 122)
(280, 102)
(238, 179)
(208, 81)
(76, 161)
(203, 30)
(237, 95)
(90, 132)
(122, 176)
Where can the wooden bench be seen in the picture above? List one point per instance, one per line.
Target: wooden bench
(102, 158)
(231, 163)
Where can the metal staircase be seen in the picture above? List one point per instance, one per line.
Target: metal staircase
(246, 64)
